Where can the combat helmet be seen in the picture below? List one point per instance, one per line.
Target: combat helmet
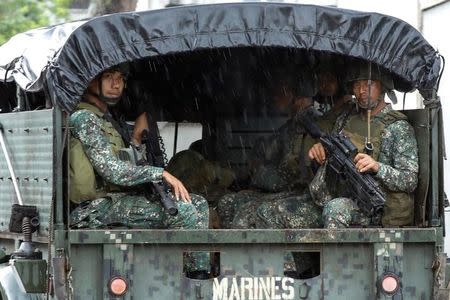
(123, 68)
(363, 70)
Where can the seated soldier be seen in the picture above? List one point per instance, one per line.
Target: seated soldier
(100, 182)
(202, 176)
(277, 166)
(290, 212)
(393, 163)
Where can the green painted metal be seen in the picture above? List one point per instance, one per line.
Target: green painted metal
(212, 237)
(32, 273)
(348, 271)
(435, 169)
(117, 261)
(420, 120)
(87, 265)
(388, 257)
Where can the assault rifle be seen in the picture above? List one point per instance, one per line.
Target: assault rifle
(361, 187)
(160, 188)
(154, 158)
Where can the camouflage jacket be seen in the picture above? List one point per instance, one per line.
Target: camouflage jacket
(282, 160)
(86, 126)
(398, 158)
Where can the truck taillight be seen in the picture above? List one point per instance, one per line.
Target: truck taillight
(118, 286)
(390, 283)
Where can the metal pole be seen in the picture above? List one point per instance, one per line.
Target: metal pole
(10, 168)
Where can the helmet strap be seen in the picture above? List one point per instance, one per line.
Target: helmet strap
(110, 101)
(368, 147)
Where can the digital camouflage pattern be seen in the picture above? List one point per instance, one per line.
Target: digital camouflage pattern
(130, 209)
(398, 176)
(398, 158)
(278, 164)
(136, 211)
(87, 127)
(230, 204)
(290, 211)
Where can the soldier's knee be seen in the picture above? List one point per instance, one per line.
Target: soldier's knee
(226, 201)
(199, 201)
(263, 210)
(337, 213)
(187, 213)
(339, 203)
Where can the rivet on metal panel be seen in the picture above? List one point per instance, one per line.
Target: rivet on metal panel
(303, 290)
(290, 236)
(198, 291)
(1, 178)
(26, 178)
(10, 130)
(27, 130)
(36, 178)
(46, 179)
(45, 129)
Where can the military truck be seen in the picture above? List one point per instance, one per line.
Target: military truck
(211, 65)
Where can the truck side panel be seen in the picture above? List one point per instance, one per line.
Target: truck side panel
(29, 141)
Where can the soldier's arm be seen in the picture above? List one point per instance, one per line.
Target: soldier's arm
(86, 127)
(399, 161)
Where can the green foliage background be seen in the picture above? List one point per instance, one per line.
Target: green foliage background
(21, 15)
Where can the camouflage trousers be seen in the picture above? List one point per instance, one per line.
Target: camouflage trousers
(343, 212)
(340, 212)
(253, 209)
(136, 211)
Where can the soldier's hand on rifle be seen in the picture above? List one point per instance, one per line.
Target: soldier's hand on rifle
(365, 162)
(317, 153)
(177, 187)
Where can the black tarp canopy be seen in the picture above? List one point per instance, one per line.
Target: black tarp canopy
(67, 56)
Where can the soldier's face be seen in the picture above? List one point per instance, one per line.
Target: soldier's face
(300, 104)
(283, 99)
(361, 92)
(112, 83)
(328, 84)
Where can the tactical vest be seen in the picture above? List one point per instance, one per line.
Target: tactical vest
(85, 184)
(399, 206)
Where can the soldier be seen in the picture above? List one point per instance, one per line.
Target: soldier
(280, 166)
(277, 168)
(393, 163)
(100, 183)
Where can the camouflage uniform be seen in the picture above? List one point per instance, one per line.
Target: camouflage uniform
(283, 168)
(398, 174)
(129, 208)
(200, 175)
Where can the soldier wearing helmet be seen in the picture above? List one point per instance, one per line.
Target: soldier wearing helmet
(100, 182)
(392, 156)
